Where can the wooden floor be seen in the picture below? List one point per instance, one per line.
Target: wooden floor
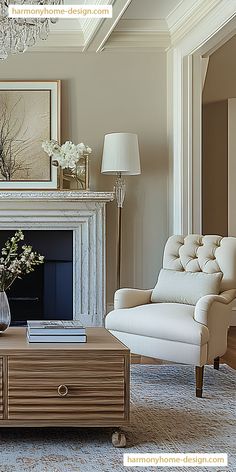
(229, 358)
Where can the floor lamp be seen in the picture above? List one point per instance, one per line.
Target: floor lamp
(120, 157)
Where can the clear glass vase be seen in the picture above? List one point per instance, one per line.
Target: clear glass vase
(78, 177)
(5, 313)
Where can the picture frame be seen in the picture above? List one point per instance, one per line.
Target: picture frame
(30, 114)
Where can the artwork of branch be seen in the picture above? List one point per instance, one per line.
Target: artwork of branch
(24, 124)
(13, 145)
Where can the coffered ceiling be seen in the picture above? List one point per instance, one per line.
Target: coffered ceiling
(150, 9)
(136, 24)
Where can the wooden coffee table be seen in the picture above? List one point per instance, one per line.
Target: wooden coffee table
(65, 384)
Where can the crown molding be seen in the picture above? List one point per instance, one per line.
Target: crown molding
(187, 15)
(139, 34)
(140, 40)
(220, 20)
(179, 13)
(137, 26)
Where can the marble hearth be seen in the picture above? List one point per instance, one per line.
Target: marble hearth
(84, 214)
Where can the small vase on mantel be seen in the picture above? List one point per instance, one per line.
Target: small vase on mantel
(5, 313)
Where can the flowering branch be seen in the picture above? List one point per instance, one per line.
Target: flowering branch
(14, 264)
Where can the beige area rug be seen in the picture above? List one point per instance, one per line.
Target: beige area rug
(166, 417)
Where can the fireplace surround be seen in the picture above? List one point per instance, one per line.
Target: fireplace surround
(83, 213)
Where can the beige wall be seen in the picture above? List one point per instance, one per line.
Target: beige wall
(111, 92)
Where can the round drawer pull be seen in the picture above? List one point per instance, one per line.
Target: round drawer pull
(62, 390)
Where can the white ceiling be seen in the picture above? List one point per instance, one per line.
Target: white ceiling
(150, 9)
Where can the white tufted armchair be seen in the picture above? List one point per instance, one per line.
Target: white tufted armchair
(185, 318)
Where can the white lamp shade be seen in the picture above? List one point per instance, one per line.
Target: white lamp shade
(121, 154)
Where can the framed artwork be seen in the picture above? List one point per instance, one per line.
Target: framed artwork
(29, 114)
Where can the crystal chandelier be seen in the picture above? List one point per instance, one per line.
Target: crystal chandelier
(17, 34)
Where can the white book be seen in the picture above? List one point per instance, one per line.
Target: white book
(55, 327)
(57, 339)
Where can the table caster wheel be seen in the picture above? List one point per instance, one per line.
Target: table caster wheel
(118, 439)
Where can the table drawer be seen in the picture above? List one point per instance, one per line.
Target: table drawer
(69, 387)
(1, 388)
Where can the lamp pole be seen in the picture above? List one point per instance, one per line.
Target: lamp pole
(118, 248)
(119, 190)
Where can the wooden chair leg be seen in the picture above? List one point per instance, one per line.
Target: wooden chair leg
(199, 381)
(217, 363)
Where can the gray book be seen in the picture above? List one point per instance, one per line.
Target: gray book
(55, 327)
(57, 339)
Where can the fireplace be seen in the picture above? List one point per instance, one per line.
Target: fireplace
(76, 221)
(46, 293)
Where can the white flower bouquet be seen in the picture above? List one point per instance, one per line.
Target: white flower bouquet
(14, 264)
(67, 156)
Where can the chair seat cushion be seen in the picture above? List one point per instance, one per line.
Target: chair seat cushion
(170, 321)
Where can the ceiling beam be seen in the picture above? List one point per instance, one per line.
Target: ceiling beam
(104, 28)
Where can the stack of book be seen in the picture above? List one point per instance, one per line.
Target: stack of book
(56, 332)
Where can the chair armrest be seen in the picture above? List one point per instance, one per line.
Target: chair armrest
(205, 305)
(131, 297)
(214, 311)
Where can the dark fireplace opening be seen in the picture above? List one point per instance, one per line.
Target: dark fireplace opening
(46, 293)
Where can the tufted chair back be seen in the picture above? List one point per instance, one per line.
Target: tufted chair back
(209, 254)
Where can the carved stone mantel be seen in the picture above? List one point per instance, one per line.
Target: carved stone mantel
(56, 195)
(82, 212)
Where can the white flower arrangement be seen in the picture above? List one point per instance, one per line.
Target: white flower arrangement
(68, 154)
(13, 264)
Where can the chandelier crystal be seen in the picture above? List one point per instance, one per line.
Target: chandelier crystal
(18, 34)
